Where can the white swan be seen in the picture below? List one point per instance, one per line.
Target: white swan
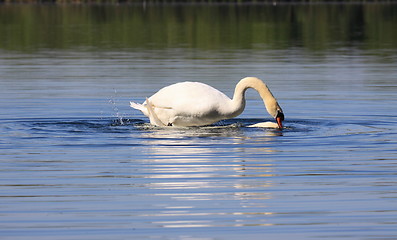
(197, 104)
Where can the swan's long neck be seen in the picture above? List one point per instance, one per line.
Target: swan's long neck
(257, 84)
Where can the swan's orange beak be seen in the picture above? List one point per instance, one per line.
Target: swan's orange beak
(279, 122)
(280, 119)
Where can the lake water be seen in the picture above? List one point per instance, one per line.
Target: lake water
(76, 162)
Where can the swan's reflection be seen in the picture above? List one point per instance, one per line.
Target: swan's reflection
(203, 174)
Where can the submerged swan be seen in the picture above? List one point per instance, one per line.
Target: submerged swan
(265, 125)
(188, 104)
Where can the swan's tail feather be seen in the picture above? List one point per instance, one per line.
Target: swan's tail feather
(152, 115)
(137, 106)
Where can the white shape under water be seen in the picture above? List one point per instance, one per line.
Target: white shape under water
(264, 125)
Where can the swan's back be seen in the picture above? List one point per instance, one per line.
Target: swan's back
(189, 98)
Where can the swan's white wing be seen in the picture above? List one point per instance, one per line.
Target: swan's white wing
(189, 98)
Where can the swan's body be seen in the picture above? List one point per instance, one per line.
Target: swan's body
(197, 104)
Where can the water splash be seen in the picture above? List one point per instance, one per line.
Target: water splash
(114, 102)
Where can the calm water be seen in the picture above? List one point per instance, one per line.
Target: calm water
(77, 163)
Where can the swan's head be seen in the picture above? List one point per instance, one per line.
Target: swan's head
(280, 118)
(276, 111)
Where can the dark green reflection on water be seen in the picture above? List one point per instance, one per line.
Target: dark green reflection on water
(315, 27)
